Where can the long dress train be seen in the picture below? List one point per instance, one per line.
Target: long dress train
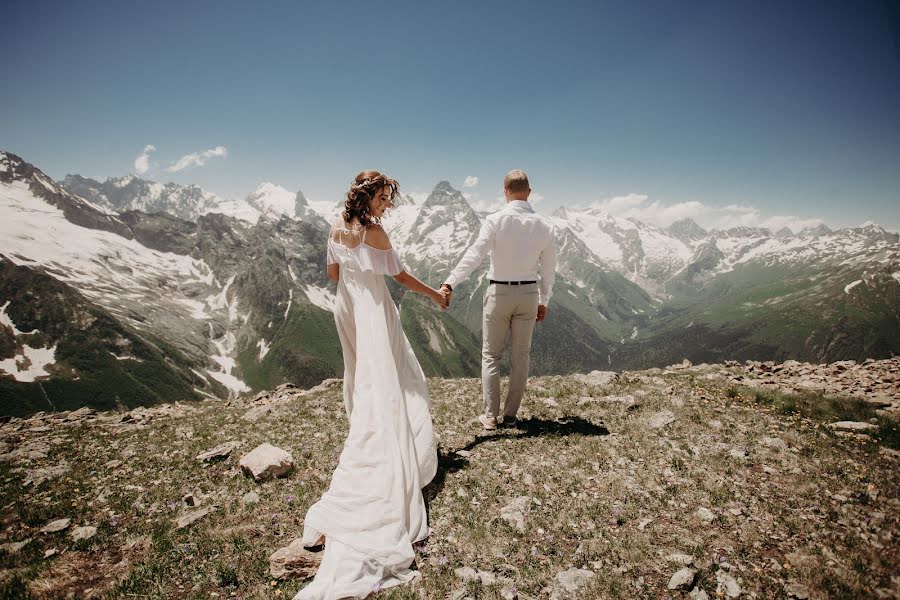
(373, 511)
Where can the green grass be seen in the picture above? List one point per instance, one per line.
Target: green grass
(593, 471)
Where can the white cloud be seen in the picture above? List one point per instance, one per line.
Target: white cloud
(471, 181)
(142, 162)
(639, 207)
(197, 159)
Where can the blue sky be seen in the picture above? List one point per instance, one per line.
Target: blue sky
(732, 112)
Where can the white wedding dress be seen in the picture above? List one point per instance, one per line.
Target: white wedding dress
(373, 511)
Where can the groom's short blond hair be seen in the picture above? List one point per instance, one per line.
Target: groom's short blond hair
(516, 181)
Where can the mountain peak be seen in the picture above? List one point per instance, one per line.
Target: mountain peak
(445, 194)
(820, 229)
(686, 229)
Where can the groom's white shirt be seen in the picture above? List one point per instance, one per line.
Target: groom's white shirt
(520, 242)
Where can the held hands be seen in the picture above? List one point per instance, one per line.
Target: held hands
(445, 293)
(541, 313)
(442, 297)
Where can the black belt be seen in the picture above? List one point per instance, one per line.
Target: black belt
(492, 281)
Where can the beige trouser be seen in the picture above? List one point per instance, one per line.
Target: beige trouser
(508, 309)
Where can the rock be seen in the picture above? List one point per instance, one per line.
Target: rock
(514, 512)
(796, 590)
(597, 377)
(681, 559)
(294, 561)
(566, 583)
(661, 419)
(50, 552)
(727, 584)
(738, 453)
(774, 442)
(853, 426)
(13, 547)
(83, 533)
(682, 579)
(509, 594)
(193, 516)
(470, 574)
(256, 412)
(250, 498)
(219, 452)
(267, 462)
(698, 594)
(57, 525)
(705, 514)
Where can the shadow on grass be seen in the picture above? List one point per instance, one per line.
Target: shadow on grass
(450, 461)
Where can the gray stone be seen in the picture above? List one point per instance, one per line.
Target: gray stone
(250, 498)
(220, 451)
(853, 426)
(83, 533)
(681, 559)
(193, 516)
(727, 584)
(514, 512)
(57, 525)
(294, 561)
(682, 579)
(267, 462)
(796, 590)
(705, 514)
(573, 579)
(661, 419)
(13, 547)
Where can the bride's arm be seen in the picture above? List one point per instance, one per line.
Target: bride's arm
(334, 271)
(413, 284)
(376, 237)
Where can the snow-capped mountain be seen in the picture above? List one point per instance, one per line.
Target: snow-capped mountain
(189, 202)
(133, 292)
(121, 194)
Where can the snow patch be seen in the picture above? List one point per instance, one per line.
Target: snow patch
(852, 285)
(30, 364)
(320, 296)
(263, 349)
(290, 300)
(6, 320)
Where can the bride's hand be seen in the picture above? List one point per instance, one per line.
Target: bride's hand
(440, 299)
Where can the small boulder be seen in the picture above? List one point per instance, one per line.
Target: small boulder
(57, 525)
(661, 419)
(83, 533)
(853, 426)
(219, 452)
(294, 561)
(514, 512)
(193, 516)
(682, 579)
(267, 462)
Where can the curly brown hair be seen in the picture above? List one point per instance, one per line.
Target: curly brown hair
(364, 187)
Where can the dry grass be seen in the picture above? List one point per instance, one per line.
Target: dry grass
(790, 501)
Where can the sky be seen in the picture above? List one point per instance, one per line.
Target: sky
(733, 113)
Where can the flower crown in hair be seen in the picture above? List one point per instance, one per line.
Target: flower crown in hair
(361, 185)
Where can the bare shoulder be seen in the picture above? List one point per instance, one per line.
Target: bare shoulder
(377, 237)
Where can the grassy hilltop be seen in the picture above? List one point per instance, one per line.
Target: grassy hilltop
(606, 489)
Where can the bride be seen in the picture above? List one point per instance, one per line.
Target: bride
(373, 512)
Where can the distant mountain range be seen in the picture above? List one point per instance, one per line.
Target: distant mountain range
(131, 292)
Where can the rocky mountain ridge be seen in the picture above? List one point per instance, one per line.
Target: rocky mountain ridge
(242, 304)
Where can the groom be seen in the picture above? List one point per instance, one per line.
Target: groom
(519, 241)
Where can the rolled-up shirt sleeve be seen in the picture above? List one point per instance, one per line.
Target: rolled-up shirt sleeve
(548, 269)
(474, 255)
